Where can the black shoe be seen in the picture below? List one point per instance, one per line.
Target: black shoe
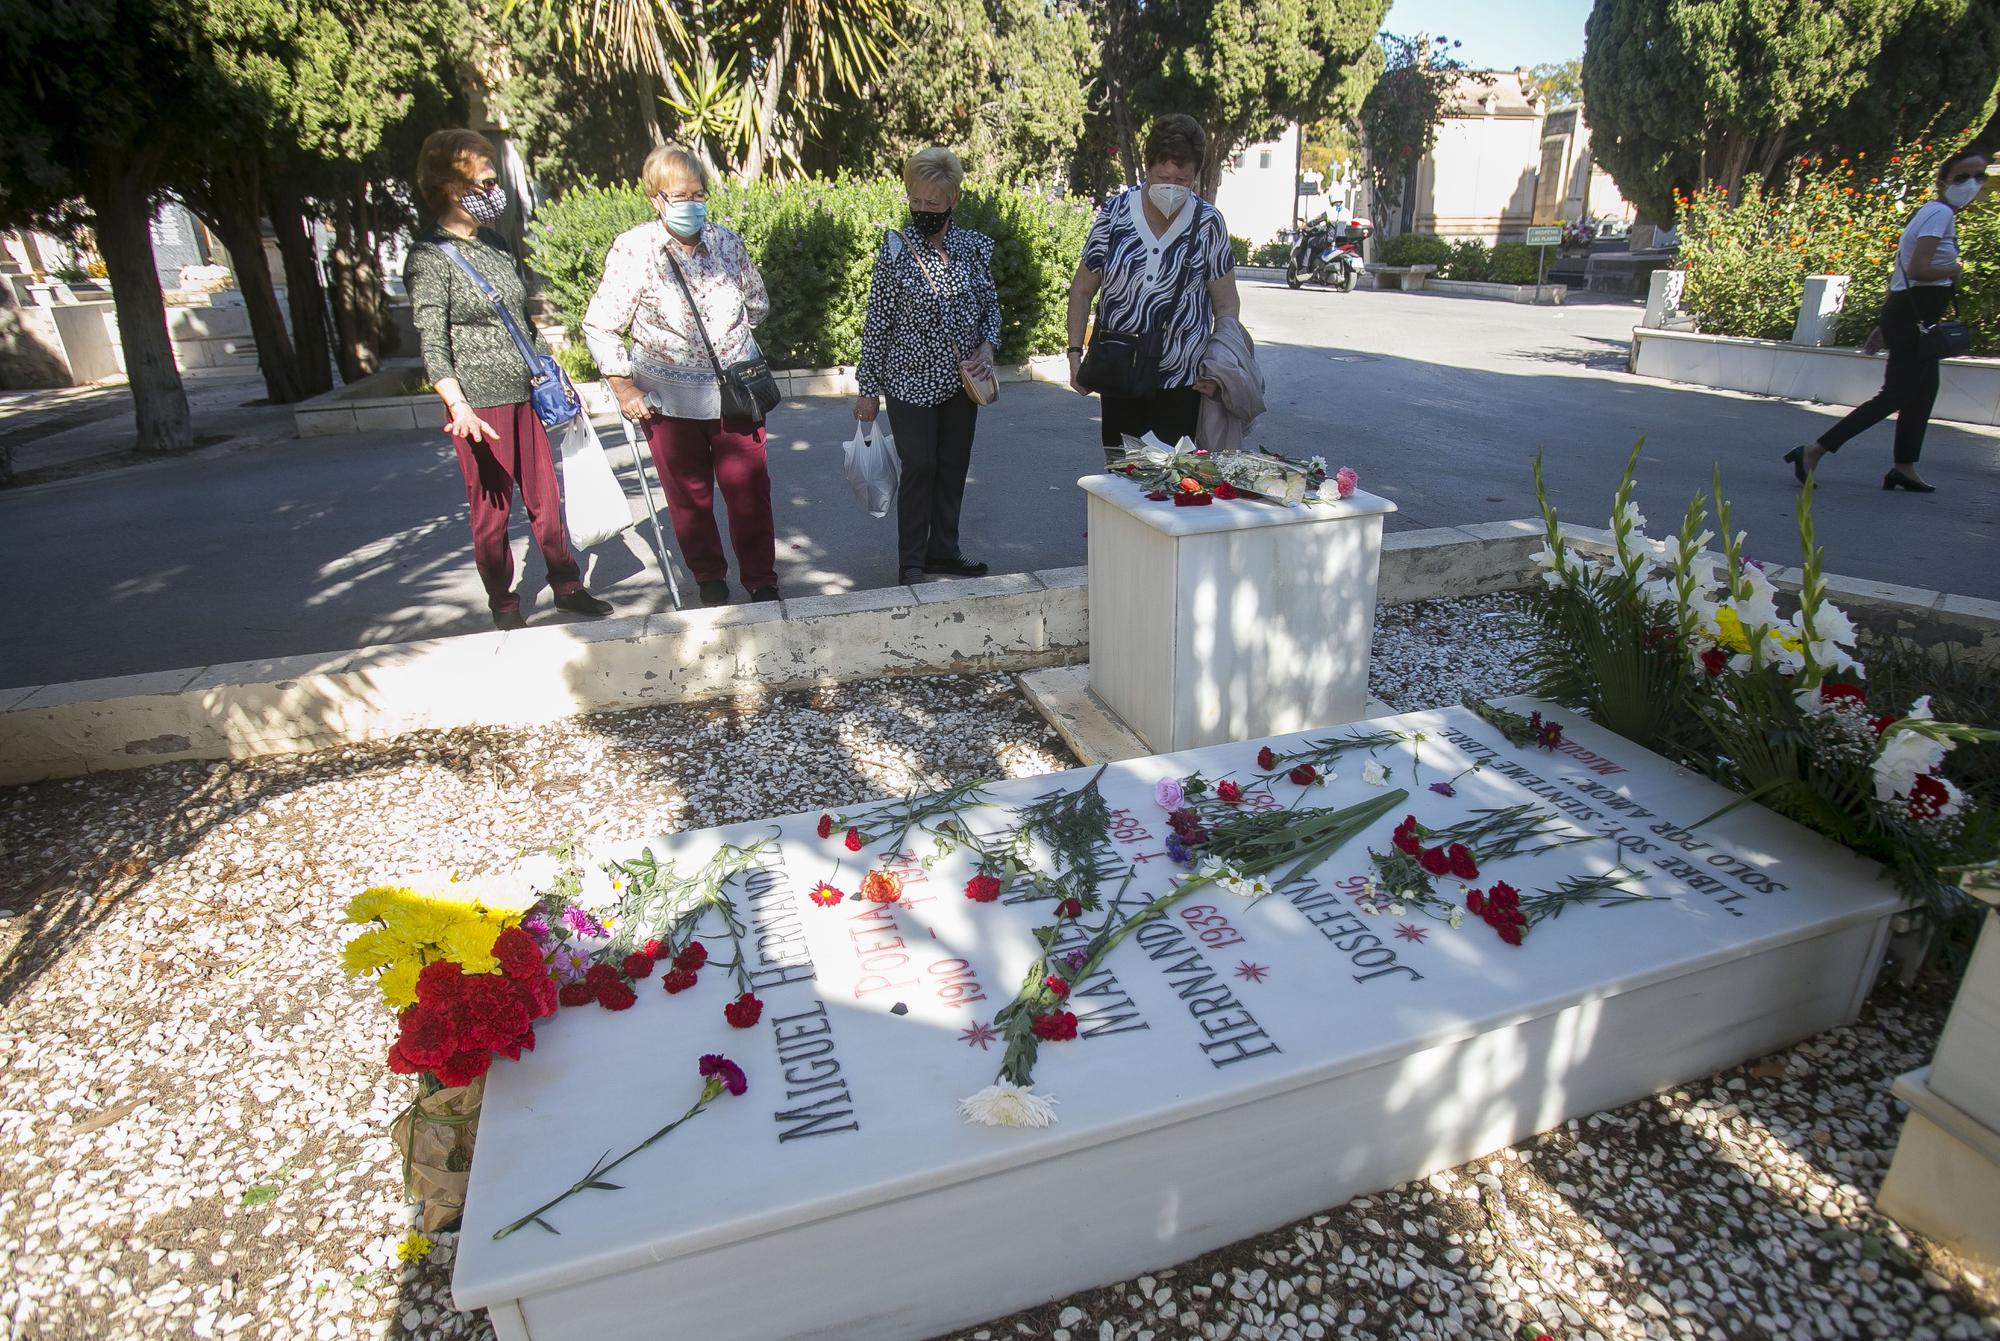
(581, 602)
(1797, 458)
(911, 576)
(1896, 479)
(508, 620)
(764, 594)
(715, 593)
(959, 566)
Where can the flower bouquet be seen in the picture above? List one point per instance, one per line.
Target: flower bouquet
(1686, 652)
(1193, 477)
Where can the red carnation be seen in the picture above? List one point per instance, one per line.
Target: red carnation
(1224, 489)
(1193, 500)
(1230, 793)
(677, 981)
(424, 1036)
(1475, 903)
(638, 964)
(1928, 797)
(826, 826)
(1056, 985)
(462, 1068)
(1434, 860)
(1511, 933)
(744, 1011)
(600, 974)
(1304, 774)
(1158, 496)
(1266, 760)
(578, 993)
(1715, 661)
(440, 983)
(1070, 908)
(1055, 1027)
(541, 996)
(495, 1014)
(1407, 842)
(1504, 895)
(657, 948)
(1835, 693)
(692, 956)
(1461, 862)
(982, 889)
(1884, 722)
(616, 996)
(518, 954)
(854, 840)
(401, 1065)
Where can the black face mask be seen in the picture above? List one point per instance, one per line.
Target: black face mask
(929, 222)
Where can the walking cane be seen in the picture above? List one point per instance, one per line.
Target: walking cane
(646, 490)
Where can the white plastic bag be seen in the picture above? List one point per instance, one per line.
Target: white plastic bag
(594, 505)
(874, 471)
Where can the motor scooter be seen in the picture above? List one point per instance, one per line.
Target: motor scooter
(1328, 253)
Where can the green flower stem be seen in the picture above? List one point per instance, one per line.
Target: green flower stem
(595, 1178)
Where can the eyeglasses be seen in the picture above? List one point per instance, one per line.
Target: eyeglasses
(665, 199)
(486, 183)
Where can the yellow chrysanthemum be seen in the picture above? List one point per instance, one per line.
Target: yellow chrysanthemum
(469, 944)
(372, 951)
(1729, 630)
(368, 905)
(414, 1248)
(399, 983)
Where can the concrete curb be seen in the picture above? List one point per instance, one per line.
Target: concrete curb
(1012, 622)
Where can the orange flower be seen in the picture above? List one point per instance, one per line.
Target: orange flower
(825, 895)
(1190, 485)
(881, 887)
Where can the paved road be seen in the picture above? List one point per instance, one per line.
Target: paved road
(1440, 403)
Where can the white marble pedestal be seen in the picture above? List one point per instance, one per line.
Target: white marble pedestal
(1945, 1178)
(1231, 621)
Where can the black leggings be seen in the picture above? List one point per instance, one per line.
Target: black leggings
(1168, 415)
(935, 444)
(1910, 384)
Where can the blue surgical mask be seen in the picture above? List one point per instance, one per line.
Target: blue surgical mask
(684, 218)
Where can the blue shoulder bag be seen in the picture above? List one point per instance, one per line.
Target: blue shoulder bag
(549, 388)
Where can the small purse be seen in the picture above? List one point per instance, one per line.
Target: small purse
(550, 392)
(747, 389)
(1944, 339)
(1125, 365)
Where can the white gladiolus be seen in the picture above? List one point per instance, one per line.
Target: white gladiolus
(1905, 757)
(1832, 624)
(1374, 774)
(1005, 1104)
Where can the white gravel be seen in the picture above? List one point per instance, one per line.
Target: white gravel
(177, 1044)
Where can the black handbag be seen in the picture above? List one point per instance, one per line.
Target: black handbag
(747, 388)
(1125, 365)
(1944, 339)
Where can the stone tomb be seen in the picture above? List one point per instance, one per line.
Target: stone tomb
(1239, 1065)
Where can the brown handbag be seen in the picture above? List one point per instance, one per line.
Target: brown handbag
(980, 388)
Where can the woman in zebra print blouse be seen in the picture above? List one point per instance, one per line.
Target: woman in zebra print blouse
(1157, 259)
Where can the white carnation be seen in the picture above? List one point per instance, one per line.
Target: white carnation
(1005, 1104)
(1374, 774)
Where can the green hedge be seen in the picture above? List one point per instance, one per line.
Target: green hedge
(1512, 263)
(1272, 253)
(1470, 259)
(815, 242)
(1414, 249)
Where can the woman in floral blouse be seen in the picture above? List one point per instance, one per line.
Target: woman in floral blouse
(666, 381)
(931, 307)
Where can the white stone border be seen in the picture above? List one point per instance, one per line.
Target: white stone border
(1547, 295)
(1968, 394)
(1013, 622)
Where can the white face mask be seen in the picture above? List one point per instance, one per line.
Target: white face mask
(1167, 199)
(1960, 194)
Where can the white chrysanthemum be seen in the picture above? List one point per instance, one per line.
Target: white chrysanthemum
(1319, 463)
(1457, 918)
(1374, 774)
(1005, 1104)
(1397, 910)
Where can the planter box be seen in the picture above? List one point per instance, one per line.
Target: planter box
(1969, 393)
(1548, 294)
(1199, 1104)
(386, 399)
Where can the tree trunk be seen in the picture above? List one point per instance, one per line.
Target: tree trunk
(1221, 148)
(123, 208)
(355, 294)
(231, 203)
(777, 65)
(305, 296)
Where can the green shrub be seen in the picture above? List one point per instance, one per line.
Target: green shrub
(1747, 259)
(1470, 259)
(1239, 248)
(1272, 253)
(1513, 263)
(1414, 249)
(576, 360)
(815, 243)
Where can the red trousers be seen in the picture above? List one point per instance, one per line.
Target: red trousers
(519, 455)
(694, 457)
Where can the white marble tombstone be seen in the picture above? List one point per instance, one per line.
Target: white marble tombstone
(1240, 1064)
(1232, 621)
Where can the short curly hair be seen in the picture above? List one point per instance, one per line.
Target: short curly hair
(1178, 138)
(446, 161)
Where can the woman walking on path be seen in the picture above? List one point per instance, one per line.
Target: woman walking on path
(1158, 262)
(1920, 289)
(932, 328)
(480, 376)
(679, 286)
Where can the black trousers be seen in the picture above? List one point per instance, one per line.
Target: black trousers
(1168, 415)
(935, 444)
(1910, 384)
